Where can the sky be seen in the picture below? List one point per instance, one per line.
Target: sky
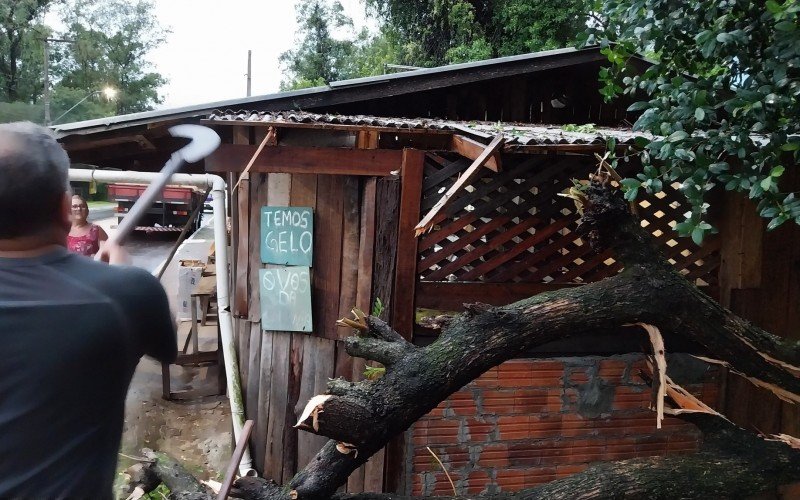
(205, 55)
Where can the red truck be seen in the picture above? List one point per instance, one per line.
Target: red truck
(170, 212)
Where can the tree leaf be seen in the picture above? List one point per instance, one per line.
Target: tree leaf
(697, 235)
(699, 114)
(678, 135)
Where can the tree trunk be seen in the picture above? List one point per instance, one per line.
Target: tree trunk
(731, 463)
(360, 418)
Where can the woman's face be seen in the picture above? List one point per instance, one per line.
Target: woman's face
(80, 210)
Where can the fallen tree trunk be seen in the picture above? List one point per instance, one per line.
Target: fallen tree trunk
(731, 463)
(360, 418)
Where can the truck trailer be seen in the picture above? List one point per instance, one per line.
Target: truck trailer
(172, 209)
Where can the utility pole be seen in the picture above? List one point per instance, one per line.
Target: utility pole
(249, 71)
(46, 97)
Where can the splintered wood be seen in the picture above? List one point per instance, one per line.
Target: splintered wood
(780, 392)
(660, 382)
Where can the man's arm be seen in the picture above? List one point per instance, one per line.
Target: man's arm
(153, 319)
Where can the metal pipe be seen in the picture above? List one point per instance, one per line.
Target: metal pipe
(217, 185)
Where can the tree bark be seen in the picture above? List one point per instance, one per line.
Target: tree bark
(360, 418)
(731, 463)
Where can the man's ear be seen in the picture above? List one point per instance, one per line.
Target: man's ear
(65, 215)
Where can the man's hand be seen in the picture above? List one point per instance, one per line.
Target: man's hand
(112, 253)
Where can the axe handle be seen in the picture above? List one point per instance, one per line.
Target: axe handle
(144, 202)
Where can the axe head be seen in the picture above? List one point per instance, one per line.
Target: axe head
(203, 141)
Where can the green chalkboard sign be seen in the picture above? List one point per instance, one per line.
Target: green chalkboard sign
(286, 299)
(287, 235)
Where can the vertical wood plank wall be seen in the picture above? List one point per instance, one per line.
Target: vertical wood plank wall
(760, 281)
(364, 249)
(355, 230)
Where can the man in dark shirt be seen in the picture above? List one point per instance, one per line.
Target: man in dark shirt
(71, 332)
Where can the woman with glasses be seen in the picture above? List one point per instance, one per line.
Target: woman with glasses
(84, 237)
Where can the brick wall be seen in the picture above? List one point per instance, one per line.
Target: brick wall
(531, 421)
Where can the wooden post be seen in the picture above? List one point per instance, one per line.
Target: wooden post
(405, 282)
(406, 272)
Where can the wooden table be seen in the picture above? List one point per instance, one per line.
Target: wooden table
(204, 295)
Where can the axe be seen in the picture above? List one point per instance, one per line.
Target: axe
(203, 141)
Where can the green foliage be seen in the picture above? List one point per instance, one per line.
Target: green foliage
(374, 373)
(20, 111)
(159, 493)
(111, 41)
(722, 97)
(21, 50)
(320, 57)
(586, 128)
(377, 307)
(436, 32)
(423, 33)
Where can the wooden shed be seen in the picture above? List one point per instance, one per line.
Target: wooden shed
(505, 235)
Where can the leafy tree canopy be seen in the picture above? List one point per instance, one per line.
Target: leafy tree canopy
(723, 97)
(436, 32)
(423, 33)
(21, 51)
(111, 41)
(320, 56)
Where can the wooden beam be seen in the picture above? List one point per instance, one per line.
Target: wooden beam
(462, 181)
(143, 142)
(296, 160)
(472, 149)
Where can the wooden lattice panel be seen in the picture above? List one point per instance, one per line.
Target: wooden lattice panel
(511, 227)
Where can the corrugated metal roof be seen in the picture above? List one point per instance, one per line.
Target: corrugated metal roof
(520, 134)
(316, 96)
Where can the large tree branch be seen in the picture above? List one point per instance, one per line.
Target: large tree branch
(362, 417)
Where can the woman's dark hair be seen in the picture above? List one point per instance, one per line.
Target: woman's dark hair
(34, 172)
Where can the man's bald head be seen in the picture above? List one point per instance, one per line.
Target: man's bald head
(33, 179)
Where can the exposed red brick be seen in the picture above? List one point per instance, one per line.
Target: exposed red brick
(547, 364)
(494, 455)
(578, 376)
(510, 479)
(498, 401)
(546, 378)
(539, 435)
(479, 432)
(453, 457)
(514, 427)
(477, 481)
(422, 463)
(541, 475)
(463, 406)
(568, 470)
(530, 401)
(442, 431)
(612, 370)
(416, 485)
